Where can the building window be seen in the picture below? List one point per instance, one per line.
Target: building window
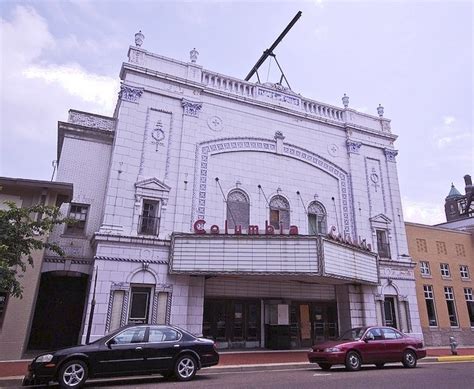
(78, 213)
(470, 304)
(3, 306)
(430, 305)
(279, 212)
(421, 245)
(441, 247)
(238, 209)
(425, 268)
(383, 247)
(444, 267)
(139, 305)
(460, 250)
(464, 270)
(316, 219)
(449, 295)
(149, 221)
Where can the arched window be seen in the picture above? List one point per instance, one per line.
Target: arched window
(279, 212)
(316, 219)
(238, 209)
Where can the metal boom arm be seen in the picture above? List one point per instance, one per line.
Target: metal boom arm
(269, 51)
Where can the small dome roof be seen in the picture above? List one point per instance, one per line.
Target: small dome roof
(453, 192)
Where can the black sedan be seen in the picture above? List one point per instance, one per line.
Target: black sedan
(132, 350)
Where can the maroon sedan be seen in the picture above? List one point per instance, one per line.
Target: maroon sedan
(368, 345)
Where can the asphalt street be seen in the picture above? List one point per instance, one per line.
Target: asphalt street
(427, 375)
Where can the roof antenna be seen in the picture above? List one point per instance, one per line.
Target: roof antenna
(269, 53)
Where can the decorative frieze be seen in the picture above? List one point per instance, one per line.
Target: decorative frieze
(353, 146)
(130, 93)
(283, 97)
(191, 108)
(90, 120)
(390, 154)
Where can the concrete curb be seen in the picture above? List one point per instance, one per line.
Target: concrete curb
(457, 358)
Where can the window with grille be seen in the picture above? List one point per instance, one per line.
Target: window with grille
(316, 219)
(421, 245)
(464, 270)
(78, 214)
(425, 268)
(444, 267)
(238, 209)
(149, 220)
(441, 247)
(449, 296)
(430, 305)
(383, 246)
(470, 304)
(279, 212)
(460, 250)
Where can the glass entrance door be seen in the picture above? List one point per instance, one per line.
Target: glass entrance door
(389, 310)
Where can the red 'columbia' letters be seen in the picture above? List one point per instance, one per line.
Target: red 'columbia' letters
(251, 230)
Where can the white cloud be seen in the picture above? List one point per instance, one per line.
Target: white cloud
(76, 81)
(423, 212)
(448, 120)
(36, 93)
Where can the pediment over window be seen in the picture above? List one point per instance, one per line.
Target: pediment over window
(380, 218)
(152, 188)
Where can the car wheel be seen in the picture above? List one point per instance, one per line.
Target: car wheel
(72, 374)
(324, 366)
(409, 359)
(379, 365)
(353, 361)
(185, 368)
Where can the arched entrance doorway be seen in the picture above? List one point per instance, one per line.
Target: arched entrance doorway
(57, 321)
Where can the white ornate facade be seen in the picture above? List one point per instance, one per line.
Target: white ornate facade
(183, 139)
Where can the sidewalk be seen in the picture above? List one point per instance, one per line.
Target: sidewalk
(254, 358)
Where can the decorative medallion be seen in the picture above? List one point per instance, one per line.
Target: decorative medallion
(158, 135)
(333, 149)
(215, 123)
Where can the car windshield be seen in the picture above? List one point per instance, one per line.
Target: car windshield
(352, 334)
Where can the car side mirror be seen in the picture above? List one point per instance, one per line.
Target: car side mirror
(111, 342)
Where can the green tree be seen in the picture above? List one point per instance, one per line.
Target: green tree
(23, 230)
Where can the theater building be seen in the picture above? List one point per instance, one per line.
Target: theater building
(238, 210)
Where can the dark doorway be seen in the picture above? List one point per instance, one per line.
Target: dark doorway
(59, 310)
(236, 322)
(312, 322)
(389, 310)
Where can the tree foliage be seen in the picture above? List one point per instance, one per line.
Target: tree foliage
(22, 231)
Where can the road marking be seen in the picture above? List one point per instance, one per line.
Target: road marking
(321, 374)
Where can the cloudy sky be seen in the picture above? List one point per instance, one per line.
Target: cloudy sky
(415, 58)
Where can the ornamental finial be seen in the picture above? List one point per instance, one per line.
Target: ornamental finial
(380, 110)
(139, 38)
(345, 100)
(193, 55)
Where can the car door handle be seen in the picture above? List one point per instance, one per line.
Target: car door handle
(139, 348)
(176, 345)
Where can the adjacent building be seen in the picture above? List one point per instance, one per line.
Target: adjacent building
(16, 314)
(238, 210)
(445, 262)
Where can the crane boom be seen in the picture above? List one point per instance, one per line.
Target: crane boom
(269, 51)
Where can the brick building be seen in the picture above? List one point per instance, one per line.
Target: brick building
(206, 201)
(444, 282)
(16, 314)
